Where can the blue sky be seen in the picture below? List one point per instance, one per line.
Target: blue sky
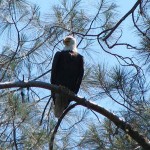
(123, 7)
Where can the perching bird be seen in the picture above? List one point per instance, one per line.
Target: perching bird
(67, 71)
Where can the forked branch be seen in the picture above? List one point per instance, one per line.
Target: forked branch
(122, 19)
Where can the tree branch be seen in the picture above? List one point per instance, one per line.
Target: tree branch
(122, 19)
(58, 124)
(140, 139)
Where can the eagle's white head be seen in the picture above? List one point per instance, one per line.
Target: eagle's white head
(70, 43)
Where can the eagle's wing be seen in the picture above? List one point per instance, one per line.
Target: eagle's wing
(54, 68)
(54, 72)
(60, 101)
(80, 76)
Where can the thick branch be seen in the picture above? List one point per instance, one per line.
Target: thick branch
(141, 140)
(22, 84)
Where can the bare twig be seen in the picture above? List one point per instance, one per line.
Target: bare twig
(58, 124)
(44, 110)
(122, 19)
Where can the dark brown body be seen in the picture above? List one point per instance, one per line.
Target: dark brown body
(67, 71)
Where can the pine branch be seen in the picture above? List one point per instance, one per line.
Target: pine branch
(127, 128)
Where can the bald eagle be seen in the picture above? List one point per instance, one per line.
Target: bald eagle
(67, 70)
